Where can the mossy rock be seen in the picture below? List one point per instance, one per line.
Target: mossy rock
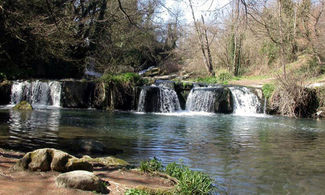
(109, 162)
(49, 159)
(23, 105)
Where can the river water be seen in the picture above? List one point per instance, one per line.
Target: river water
(245, 155)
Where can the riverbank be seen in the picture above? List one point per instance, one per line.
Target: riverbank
(27, 182)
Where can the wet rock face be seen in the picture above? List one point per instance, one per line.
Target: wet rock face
(5, 92)
(76, 94)
(82, 180)
(151, 99)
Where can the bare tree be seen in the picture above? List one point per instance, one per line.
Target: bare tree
(203, 41)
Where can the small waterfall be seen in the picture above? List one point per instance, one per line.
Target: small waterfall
(158, 99)
(265, 104)
(37, 93)
(201, 99)
(245, 101)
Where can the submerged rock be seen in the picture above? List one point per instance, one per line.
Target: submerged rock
(82, 180)
(23, 105)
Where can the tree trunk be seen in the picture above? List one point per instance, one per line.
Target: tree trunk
(201, 42)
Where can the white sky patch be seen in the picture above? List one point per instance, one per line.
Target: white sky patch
(201, 7)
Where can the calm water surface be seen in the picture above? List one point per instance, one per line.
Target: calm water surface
(245, 155)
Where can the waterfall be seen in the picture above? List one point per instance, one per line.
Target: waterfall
(245, 101)
(37, 93)
(201, 99)
(158, 99)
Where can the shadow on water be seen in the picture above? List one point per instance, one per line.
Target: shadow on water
(244, 155)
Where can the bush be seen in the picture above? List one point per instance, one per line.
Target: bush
(151, 165)
(224, 77)
(124, 79)
(190, 182)
(207, 80)
(268, 90)
(292, 99)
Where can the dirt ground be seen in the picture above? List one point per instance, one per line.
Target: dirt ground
(44, 182)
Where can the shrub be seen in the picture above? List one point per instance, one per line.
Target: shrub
(292, 99)
(124, 79)
(268, 90)
(189, 182)
(207, 80)
(224, 77)
(151, 165)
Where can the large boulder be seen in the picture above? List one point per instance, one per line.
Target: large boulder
(5, 92)
(23, 105)
(108, 162)
(82, 180)
(48, 159)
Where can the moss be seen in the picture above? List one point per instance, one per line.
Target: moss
(23, 105)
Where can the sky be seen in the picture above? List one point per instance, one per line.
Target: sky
(204, 7)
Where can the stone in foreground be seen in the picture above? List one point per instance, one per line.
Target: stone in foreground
(49, 159)
(82, 180)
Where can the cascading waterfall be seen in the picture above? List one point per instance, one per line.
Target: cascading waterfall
(201, 99)
(158, 99)
(245, 101)
(38, 93)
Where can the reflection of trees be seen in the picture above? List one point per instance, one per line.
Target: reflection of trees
(34, 129)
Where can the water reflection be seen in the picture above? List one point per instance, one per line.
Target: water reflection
(245, 155)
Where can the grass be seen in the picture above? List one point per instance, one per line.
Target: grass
(189, 182)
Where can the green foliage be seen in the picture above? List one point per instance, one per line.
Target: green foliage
(124, 79)
(207, 80)
(190, 182)
(271, 50)
(225, 76)
(268, 90)
(151, 165)
(136, 192)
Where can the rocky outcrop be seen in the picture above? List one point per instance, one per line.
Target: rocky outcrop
(5, 92)
(48, 159)
(23, 105)
(82, 180)
(76, 94)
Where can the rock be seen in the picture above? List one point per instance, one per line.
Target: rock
(78, 164)
(109, 162)
(76, 94)
(59, 160)
(5, 92)
(50, 159)
(82, 180)
(23, 105)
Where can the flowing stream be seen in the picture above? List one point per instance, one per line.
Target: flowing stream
(245, 155)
